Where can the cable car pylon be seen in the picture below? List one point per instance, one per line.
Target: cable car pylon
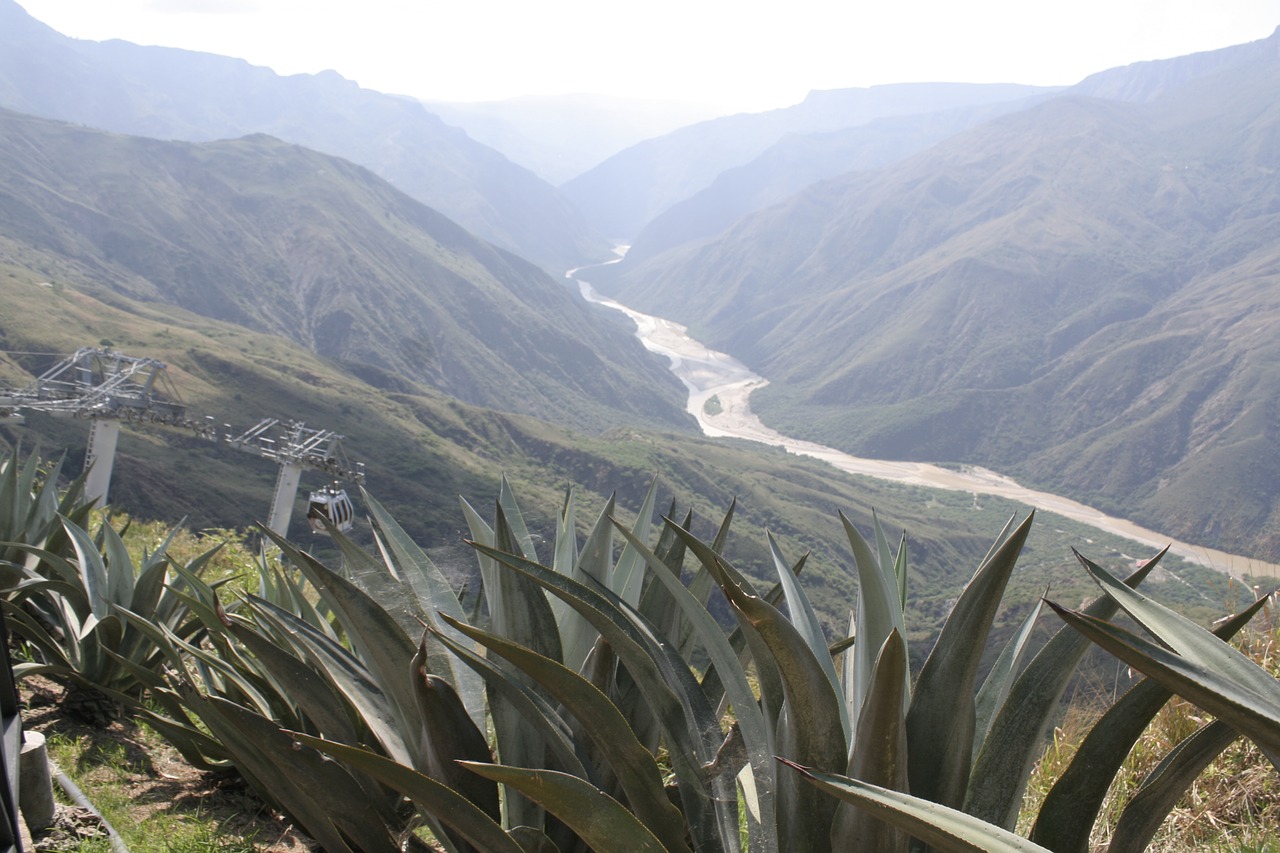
(297, 448)
(106, 388)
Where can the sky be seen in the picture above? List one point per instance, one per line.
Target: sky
(746, 55)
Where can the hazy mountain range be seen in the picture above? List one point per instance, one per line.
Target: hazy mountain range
(561, 136)
(178, 94)
(1077, 288)
(632, 187)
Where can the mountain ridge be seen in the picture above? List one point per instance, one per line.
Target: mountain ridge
(168, 93)
(281, 239)
(629, 189)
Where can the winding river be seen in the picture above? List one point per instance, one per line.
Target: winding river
(707, 374)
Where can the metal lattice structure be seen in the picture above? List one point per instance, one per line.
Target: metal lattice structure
(295, 448)
(107, 388)
(97, 383)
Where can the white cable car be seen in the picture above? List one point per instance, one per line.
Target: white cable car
(333, 504)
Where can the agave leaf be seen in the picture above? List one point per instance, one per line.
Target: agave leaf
(944, 829)
(449, 735)
(634, 765)
(434, 595)
(240, 679)
(598, 819)
(943, 716)
(446, 805)
(1165, 786)
(1254, 714)
(148, 589)
(532, 840)
(346, 673)
(810, 726)
(1073, 803)
(1183, 636)
(382, 644)
(879, 613)
(806, 623)
(565, 551)
(995, 689)
(299, 684)
(24, 625)
(396, 593)
(689, 724)
(1017, 733)
(195, 746)
(550, 728)
(481, 532)
(515, 519)
(320, 795)
(92, 571)
(628, 575)
(378, 579)
(745, 639)
(656, 605)
(595, 562)
(879, 755)
(119, 568)
(887, 557)
(524, 616)
(751, 723)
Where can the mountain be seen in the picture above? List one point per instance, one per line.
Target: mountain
(283, 240)
(1082, 295)
(1145, 81)
(796, 161)
(635, 185)
(176, 94)
(561, 136)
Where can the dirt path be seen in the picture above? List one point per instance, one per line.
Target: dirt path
(707, 374)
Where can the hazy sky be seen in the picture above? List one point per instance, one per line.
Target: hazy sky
(743, 54)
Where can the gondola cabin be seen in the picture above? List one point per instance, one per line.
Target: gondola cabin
(332, 504)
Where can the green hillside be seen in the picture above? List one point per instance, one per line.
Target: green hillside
(282, 240)
(1077, 295)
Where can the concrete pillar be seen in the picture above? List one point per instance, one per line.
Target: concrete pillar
(35, 784)
(100, 457)
(282, 503)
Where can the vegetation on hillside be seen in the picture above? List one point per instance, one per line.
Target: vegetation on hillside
(590, 695)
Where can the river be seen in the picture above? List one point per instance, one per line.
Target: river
(707, 374)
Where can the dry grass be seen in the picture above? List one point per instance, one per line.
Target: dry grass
(1233, 806)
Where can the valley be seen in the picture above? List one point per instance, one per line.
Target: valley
(840, 479)
(711, 375)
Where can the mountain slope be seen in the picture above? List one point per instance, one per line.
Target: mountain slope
(793, 163)
(1082, 295)
(175, 94)
(280, 239)
(629, 189)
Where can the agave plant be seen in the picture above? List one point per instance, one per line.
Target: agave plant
(67, 605)
(593, 702)
(1185, 659)
(32, 504)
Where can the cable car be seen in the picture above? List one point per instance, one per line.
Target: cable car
(333, 504)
